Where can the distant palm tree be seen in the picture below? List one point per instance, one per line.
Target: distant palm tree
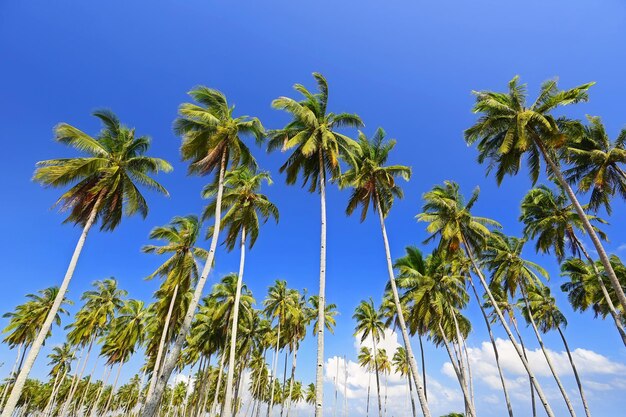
(366, 361)
(61, 359)
(509, 129)
(317, 147)
(211, 142)
(104, 189)
(369, 323)
(401, 365)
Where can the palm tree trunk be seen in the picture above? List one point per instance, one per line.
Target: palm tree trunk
(459, 352)
(570, 408)
(604, 258)
(405, 334)
(16, 392)
(496, 308)
(419, 336)
(94, 408)
(152, 403)
(162, 341)
(84, 395)
(5, 390)
(408, 375)
(470, 379)
(293, 375)
(319, 372)
(468, 404)
(46, 410)
(521, 341)
(380, 405)
(108, 404)
(282, 403)
(369, 384)
(614, 313)
(218, 386)
(578, 382)
(77, 378)
(228, 398)
(495, 351)
(270, 404)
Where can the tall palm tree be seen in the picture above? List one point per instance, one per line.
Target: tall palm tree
(450, 220)
(595, 163)
(542, 307)
(549, 218)
(366, 361)
(508, 129)
(104, 189)
(180, 272)
(317, 147)
(369, 323)
(374, 183)
(245, 208)
(212, 141)
(402, 366)
(61, 359)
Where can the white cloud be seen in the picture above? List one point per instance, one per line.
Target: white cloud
(621, 248)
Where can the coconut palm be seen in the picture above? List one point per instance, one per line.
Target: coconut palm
(508, 129)
(180, 273)
(212, 141)
(245, 208)
(542, 307)
(317, 146)
(595, 163)
(369, 323)
(451, 222)
(61, 359)
(366, 360)
(104, 189)
(374, 183)
(402, 366)
(549, 218)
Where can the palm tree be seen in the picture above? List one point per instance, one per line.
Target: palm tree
(211, 142)
(383, 365)
(317, 147)
(549, 218)
(508, 129)
(595, 163)
(180, 272)
(369, 323)
(374, 184)
(542, 307)
(366, 360)
(451, 221)
(244, 207)
(309, 396)
(104, 189)
(25, 322)
(401, 365)
(61, 359)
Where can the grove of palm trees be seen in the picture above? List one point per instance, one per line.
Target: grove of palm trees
(255, 292)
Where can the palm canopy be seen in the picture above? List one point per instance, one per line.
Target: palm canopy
(108, 175)
(373, 183)
(224, 294)
(509, 129)
(330, 311)
(126, 333)
(551, 219)
(244, 205)
(450, 219)
(312, 135)
(542, 306)
(61, 359)
(369, 321)
(211, 132)
(28, 318)
(595, 163)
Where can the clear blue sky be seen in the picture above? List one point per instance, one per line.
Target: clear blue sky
(408, 66)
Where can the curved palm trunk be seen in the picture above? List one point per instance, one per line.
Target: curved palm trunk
(319, 372)
(77, 378)
(5, 390)
(293, 375)
(53, 394)
(94, 407)
(16, 392)
(380, 405)
(531, 374)
(419, 336)
(218, 385)
(270, 403)
(578, 382)
(495, 351)
(152, 402)
(108, 404)
(461, 378)
(84, 395)
(459, 354)
(521, 341)
(282, 403)
(604, 258)
(228, 398)
(421, 394)
(614, 313)
(548, 357)
(411, 394)
(162, 341)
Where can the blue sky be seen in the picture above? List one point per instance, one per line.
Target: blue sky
(406, 66)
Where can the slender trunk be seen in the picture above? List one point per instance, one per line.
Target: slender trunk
(495, 351)
(578, 382)
(16, 392)
(369, 385)
(408, 375)
(270, 404)
(496, 308)
(218, 385)
(461, 362)
(386, 385)
(201, 411)
(319, 372)
(380, 405)
(604, 258)
(521, 341)
(293, 375)
(419, 336)
(228, 398)
(84, 395)
(77, 378)
(46, 410)
(108, 404)
(94, 407)
(152, 402)
(570, 408)
(469, 372)
(614, 313)
(421, 392)
(5, 390)
(282, 403)
(242, 368)
(468, 404)
(162, 342)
